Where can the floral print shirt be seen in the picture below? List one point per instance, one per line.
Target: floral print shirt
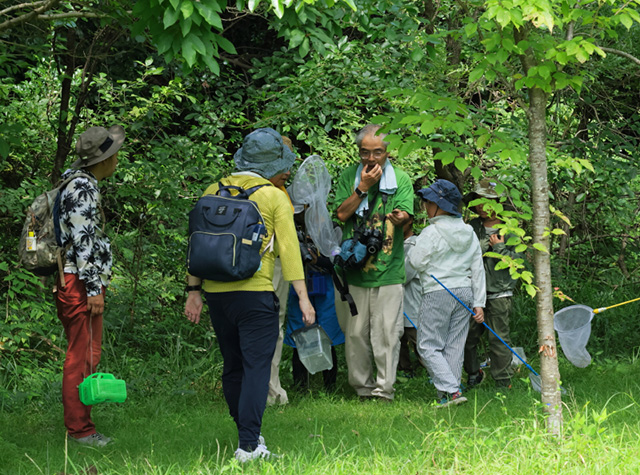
(89, 255)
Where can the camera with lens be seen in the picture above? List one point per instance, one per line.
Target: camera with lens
(308, 251)
(372, 239)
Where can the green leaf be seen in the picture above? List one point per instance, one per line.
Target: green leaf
(482, 140)
(212, 64)
(540, 247)
(188, 52)
(470, 29)
(164, 42)
(185, 26)
(186, 8)
(304, 48)
(351, 4)
(253, 4)
(296, 38)
(587, 164)
(582, 56)
(225, 44)
(531, 290)
(508, 44)
(476, 74)
(170, 17)
(461, 163)
(198, 45)
(446, 156)
(278, 8)
(503, 17)
(626, 20)
(322, 36)
(428, 126)
(209, 15)
(416, 55)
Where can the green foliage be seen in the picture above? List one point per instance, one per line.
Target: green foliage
(193, 31)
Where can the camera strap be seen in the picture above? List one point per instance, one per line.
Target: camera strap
(343, 289)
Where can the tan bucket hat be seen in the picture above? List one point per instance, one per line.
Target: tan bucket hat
(97, 144)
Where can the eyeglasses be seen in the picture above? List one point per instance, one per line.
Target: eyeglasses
(377, 153)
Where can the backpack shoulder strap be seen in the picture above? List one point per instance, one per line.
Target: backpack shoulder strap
(253, 189)
(225, 190)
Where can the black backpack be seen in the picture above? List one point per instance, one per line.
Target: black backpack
(225, 235)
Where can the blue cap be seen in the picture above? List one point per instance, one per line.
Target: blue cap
(444, 194)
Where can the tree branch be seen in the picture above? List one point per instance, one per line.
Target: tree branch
(621, 53)
(20, 6)
(57, 16)
(44, 6)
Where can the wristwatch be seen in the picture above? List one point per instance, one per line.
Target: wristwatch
(191, 288)
(361, 194)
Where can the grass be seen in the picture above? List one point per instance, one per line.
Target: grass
(169, 432)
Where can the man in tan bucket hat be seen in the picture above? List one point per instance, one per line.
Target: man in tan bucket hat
(87, 272)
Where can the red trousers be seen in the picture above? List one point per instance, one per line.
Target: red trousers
(84, 335)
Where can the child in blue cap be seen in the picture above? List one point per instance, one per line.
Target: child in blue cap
(449, 250)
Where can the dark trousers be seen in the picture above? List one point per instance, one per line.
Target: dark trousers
(246, 326)
(84, 337)
(496, 315)
(407, 345)
(301, 375)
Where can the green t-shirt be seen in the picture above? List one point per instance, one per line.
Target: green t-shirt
(387, 266)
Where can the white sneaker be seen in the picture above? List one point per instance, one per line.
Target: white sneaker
(94, 440)
(260, 452)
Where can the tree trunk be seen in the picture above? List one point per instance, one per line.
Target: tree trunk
(68, 68)
(551, 397)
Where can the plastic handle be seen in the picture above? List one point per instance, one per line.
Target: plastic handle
(602, 309)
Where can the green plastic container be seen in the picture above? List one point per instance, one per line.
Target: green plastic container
(102, 387)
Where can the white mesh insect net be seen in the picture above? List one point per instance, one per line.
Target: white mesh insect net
(573, 325)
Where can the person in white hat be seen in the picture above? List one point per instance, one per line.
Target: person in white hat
(87, 272)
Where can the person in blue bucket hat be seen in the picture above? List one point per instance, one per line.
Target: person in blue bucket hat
(449, 250)
(244, 313)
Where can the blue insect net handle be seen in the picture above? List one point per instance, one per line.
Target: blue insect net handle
(486, 326)
(414, 325)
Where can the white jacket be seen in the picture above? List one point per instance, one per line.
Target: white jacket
(449, 249)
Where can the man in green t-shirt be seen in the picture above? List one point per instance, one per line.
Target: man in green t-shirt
(375, 197)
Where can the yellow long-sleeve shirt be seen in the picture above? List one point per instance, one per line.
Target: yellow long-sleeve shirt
(276, 211)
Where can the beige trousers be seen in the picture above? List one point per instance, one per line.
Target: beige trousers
(277, 394)
(372, 337)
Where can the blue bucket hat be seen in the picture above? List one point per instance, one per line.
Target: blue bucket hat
(445, 194)
(264, 153)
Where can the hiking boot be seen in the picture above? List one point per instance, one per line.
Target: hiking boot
(451, 399)
(93, 440)
(260, 452)
(474, 379)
